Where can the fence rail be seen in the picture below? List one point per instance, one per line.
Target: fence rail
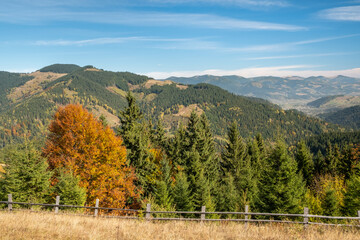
(148, 214)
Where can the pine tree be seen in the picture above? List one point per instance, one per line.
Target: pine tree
(229, 197)
(319, 164)
(352, 196)
(330, 204)
(331, 159)
(136, 135)
(281, 188)
(305, 162)
(26, 176)
(181, 193)
(68, 189)
(164, 185)
(234, 152)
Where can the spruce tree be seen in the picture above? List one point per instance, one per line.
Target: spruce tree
(352, 196)
(234, 152)
(228, 198)
(330, 203)
(305, 162)
(68, 189)
(181, 193)
(136, 136)
(26, 176)
(281, 188)
(164, 185)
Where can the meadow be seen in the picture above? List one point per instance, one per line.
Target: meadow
(44, 225)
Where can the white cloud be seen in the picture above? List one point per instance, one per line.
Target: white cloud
(302, 56)
(278, 71)
(241, 3)
(134, 18)
(349, 13)
(288, 45)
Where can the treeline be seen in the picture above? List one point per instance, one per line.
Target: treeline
(141, 163)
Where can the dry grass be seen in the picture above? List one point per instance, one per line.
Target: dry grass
(27, 225)
(33, 86)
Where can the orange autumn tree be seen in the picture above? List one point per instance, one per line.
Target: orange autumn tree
(81, 144)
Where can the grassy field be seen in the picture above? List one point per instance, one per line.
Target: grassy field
(30, 225)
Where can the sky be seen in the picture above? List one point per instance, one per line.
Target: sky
(163, 38)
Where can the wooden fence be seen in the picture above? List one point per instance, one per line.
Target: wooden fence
(151, 215)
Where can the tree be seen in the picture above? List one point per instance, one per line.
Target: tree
(25, 174)
(164, 186)
(352, 196)
(136, 135)
(68, 189)
(181, 193)
(305, 162)
(83, 146)
(235, 150)
(281, 188)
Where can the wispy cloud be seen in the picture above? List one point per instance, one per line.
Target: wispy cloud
(173, 43)
(288, 45)
(302, 56)
(349, 13)
(242, 3)
(279, 71)
(134, 18)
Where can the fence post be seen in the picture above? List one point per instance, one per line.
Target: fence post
(10, 202)
(96, 208)
(148, 210)
(306, 219)
(246, 216)
(359, 216)
(202, 215)
(57, 203)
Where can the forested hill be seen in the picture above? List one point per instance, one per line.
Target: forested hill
(29, 100)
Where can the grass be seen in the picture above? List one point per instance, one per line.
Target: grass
(45, 225)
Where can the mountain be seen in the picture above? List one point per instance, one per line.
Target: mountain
(347, 117)
(288, 92)
(28, 102)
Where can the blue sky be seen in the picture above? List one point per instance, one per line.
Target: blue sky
(163, 38)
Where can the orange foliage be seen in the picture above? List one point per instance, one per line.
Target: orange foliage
(79, 142)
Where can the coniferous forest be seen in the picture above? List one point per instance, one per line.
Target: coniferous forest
(140, 161)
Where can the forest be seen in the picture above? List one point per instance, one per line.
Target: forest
(139, 162)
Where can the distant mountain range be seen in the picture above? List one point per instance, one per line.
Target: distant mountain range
(289, 92)
(28, 101)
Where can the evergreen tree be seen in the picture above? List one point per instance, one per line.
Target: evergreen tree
(26, 176)
(164, 185)
(234, 152)
(281, 188)
(136, 136)
(331, 159)
(330, 204)
(305, 162)
(68, 189)
(319, 164)
(352, 196)
(177, 148)
(229, 197)
(182, 194)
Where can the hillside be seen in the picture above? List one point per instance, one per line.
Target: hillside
(347, 117)
(103, 93)
(289, 92)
